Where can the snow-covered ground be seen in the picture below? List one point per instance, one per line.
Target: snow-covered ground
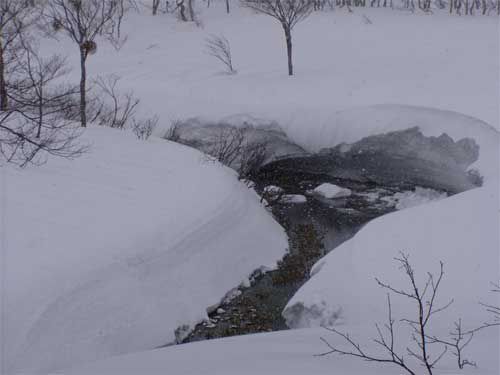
(441, 61)
(285, 352)
(461, 231)
(110, 253)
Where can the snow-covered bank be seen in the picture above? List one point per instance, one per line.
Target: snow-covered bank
(110, 253)
(461, 231)
(330, 129)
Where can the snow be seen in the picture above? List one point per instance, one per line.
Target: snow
(293, 198)
(400, 58)
(331, 191)
(273, 190)
(352, 125)
(111, 252)
(414, 198)
(461, 231)
(284, 352)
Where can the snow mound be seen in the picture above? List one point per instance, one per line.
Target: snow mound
(331, 191)
(207, 136)
(111, 252)
(461, 231)
(326, 130)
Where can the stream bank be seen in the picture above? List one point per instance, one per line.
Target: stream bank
(256, 305)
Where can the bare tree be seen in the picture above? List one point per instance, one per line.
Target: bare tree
(14, 21)
(83, 21)
(425, 302)
(191, 13)
(21, 142)
(35, 90)
(219, 47)
(288, 13)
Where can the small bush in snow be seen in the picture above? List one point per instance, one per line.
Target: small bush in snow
(219, 47)
(173, 133)
(144, 128)
(117, 110)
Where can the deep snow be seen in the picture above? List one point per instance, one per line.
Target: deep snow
(284, 352)
(98, 249)
(461, 231)
(341, 62)
(110, 253)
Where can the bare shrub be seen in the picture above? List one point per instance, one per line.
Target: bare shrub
(117, 110)
(173, 132)
(219, 47)
(425, 300)
(227, 144)
(144, 128)
(252, 157)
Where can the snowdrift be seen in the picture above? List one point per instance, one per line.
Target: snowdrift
(110, 253)
(461, 231)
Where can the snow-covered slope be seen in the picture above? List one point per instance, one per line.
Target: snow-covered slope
(461, 231)
(110, 253)
(285, 352)
(340, 62)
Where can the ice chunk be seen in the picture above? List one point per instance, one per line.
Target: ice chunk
(331, 191)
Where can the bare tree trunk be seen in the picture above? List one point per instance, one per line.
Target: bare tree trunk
(288, 37)
(191, 10)
(227, 7)
(83, 88)
(3, 88)
(156, 4)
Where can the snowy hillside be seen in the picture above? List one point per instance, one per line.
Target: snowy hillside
(341, 62)
(112, 252)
